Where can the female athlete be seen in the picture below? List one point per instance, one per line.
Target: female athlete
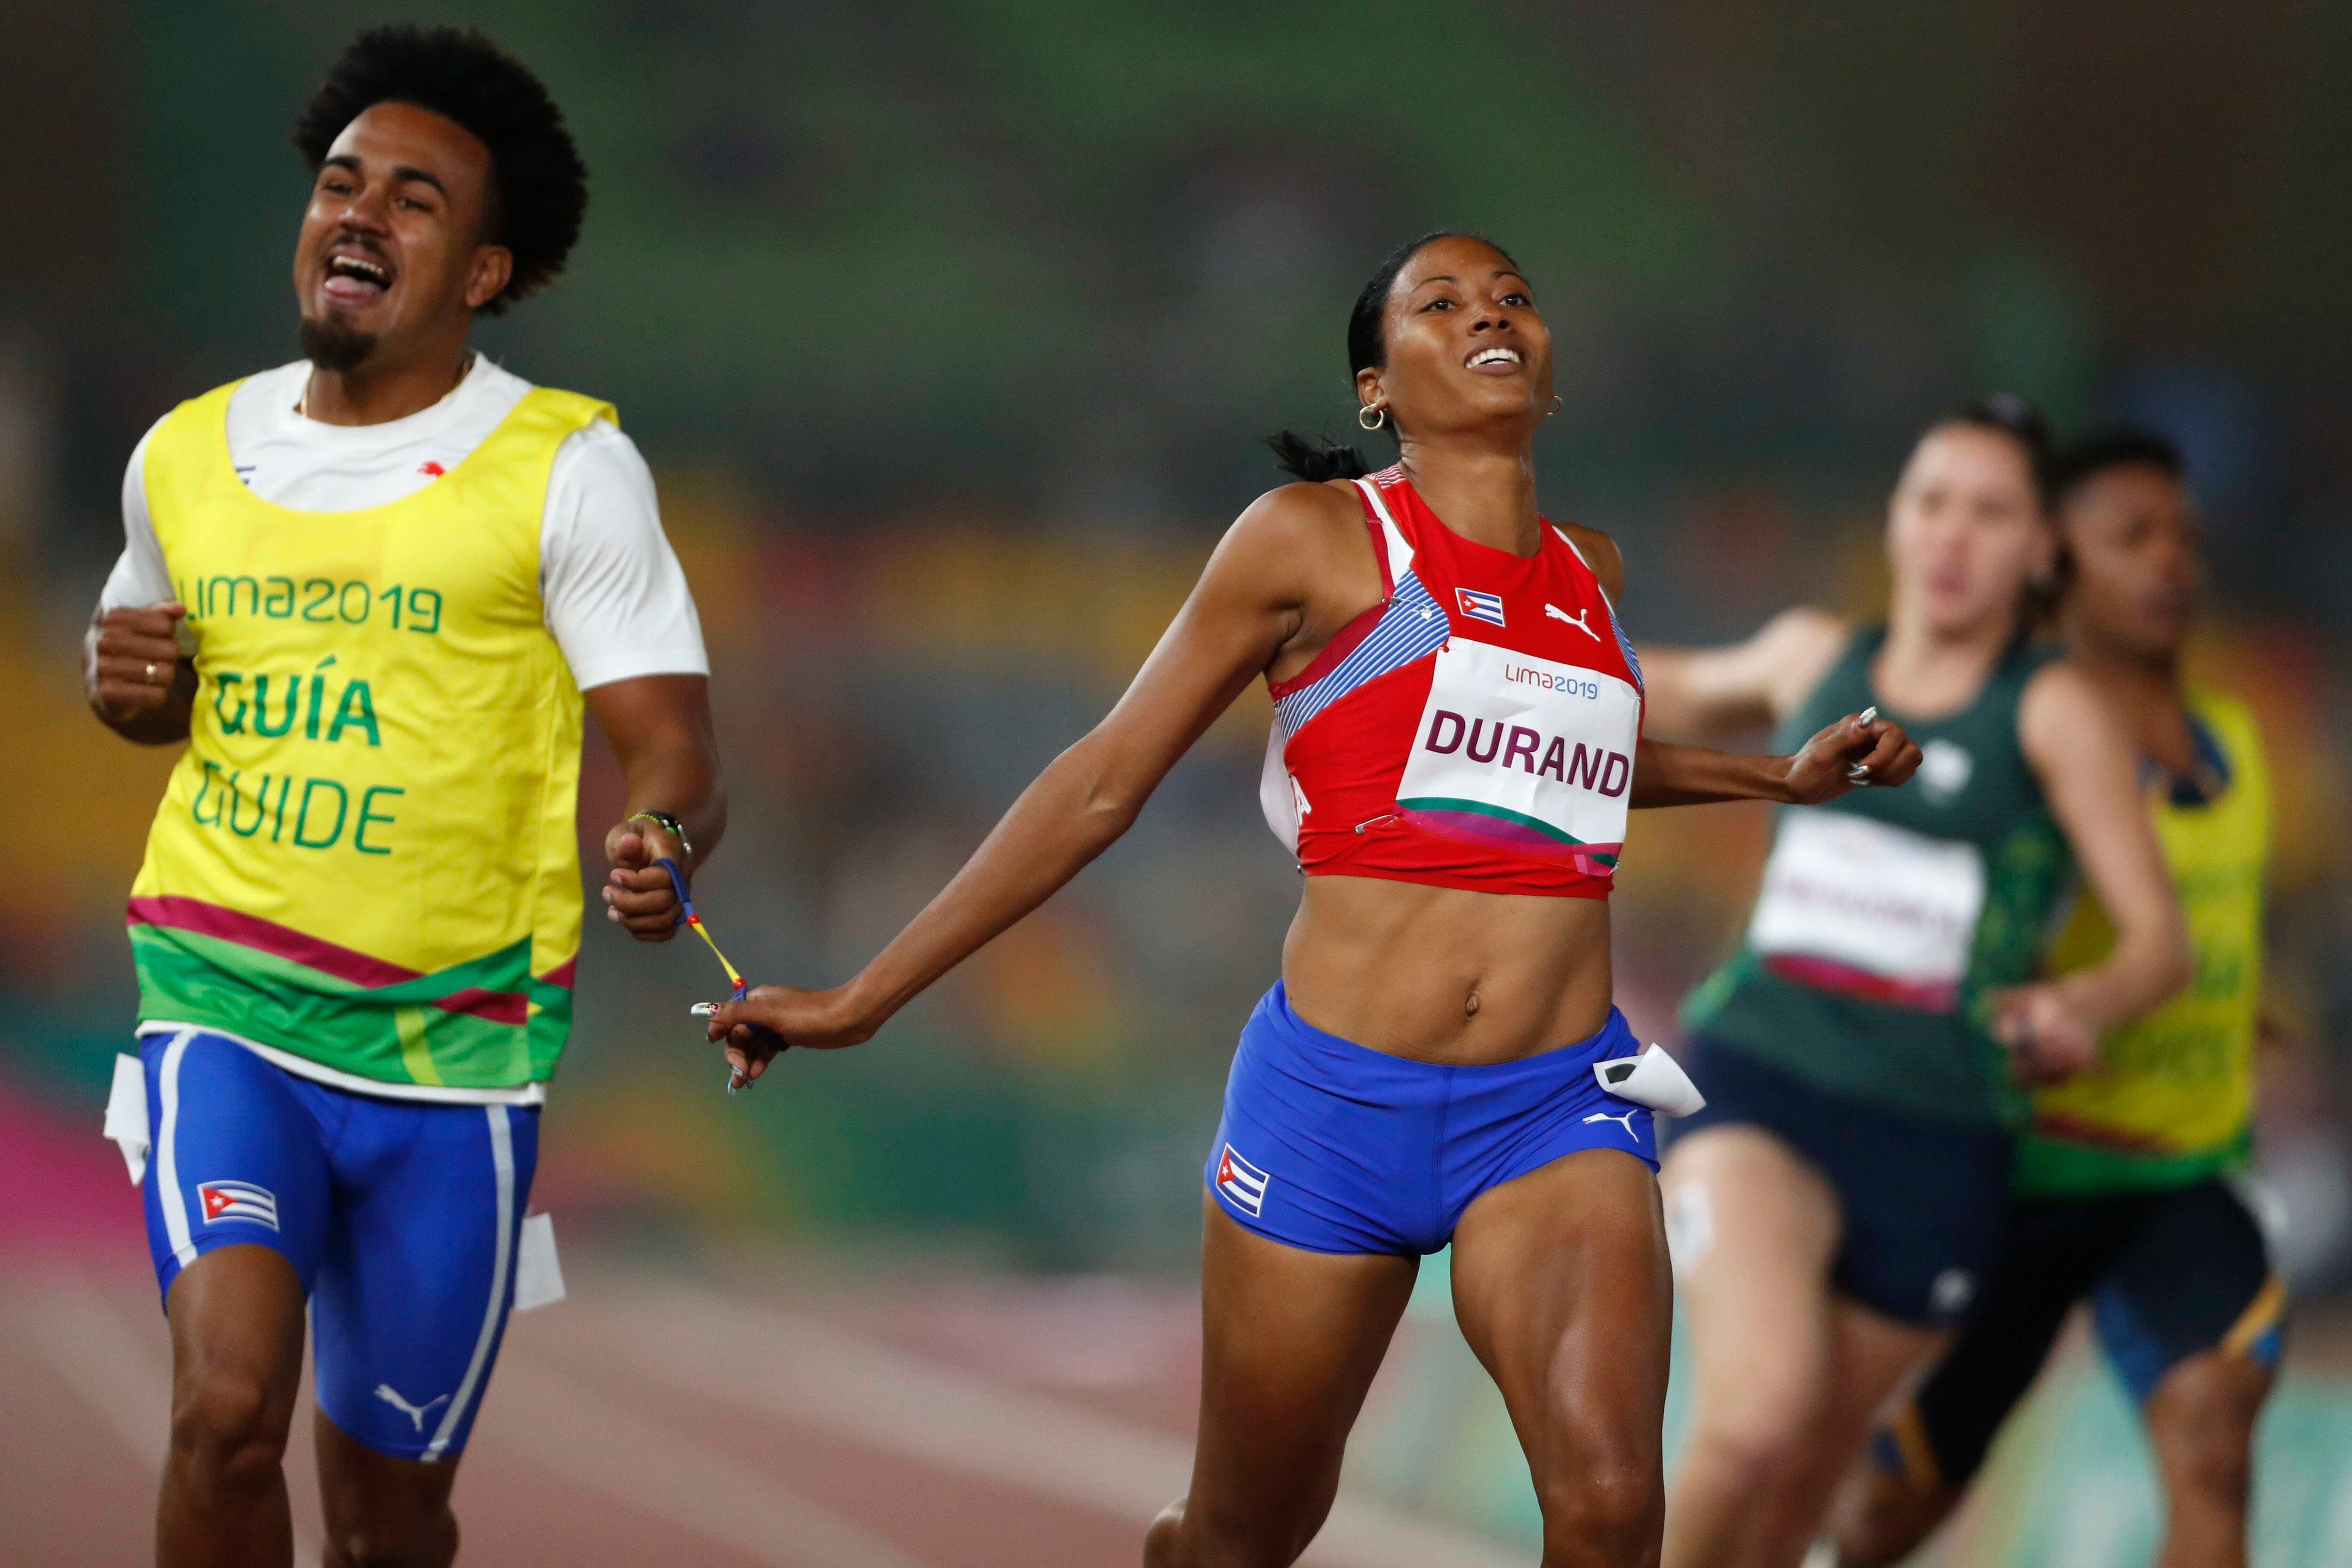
(2126, 1190)
(1836, 1205)
(1457, 745)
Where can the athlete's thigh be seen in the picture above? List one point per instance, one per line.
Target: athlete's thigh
(2195, 1276)
(1563, 1287)
(2191, 1315)
(235, 1158)
(1290, 1341)
(2050, 1253)
(235, 1317)
(1753, 1228)
(417, 1275)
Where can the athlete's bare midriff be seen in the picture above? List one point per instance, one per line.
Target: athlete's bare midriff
(1446, 974)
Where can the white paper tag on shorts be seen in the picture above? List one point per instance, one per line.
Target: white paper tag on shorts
(539, 1277)
(1652, 1078)
(126, 1114)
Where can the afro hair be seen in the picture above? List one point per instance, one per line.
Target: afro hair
(2119, 447)
(539, 187)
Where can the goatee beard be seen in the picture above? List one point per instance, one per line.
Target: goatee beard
(331, 346)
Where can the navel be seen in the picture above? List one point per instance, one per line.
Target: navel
(1470, 1005)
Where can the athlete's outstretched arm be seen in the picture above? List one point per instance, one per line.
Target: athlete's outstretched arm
(659, 728)
(1706, 693)
(1251, 600)
(1666, 775)
(1750, 682)
(2089, 767)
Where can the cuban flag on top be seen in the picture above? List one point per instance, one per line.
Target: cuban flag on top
(1478, 606)
(225, 1201)
(1241, 1183)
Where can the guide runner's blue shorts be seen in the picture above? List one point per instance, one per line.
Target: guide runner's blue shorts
(401, 1218)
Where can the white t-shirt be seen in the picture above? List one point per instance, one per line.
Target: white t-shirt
(616, 599)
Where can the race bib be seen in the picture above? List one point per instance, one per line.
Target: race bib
(1522, 754)
(1865, 909)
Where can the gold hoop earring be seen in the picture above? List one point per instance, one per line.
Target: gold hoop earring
(1557, 403)
(1378, 412)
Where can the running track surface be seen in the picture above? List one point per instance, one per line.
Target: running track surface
(755, 1410)
(760, 1408)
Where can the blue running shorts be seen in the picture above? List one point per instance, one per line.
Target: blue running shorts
(2171, 1274)
(1921, 1203)
(1333, 1147)
(401, 1218)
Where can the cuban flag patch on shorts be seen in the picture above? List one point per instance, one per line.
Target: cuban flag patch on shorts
(1240, 1183)
(226, 1201)
(1478, 606)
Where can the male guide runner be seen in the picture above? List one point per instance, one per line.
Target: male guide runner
(2125, 1179)
(369, 589)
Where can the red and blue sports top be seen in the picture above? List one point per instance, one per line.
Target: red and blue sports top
(1475, 729)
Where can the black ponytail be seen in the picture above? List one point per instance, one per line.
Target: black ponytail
(1316, 459)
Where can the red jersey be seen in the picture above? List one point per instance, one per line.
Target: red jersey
(1475, 729)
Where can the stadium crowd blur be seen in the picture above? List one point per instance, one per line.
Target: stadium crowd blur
(952, 333)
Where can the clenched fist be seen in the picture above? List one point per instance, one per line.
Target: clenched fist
(133, 675)
(1858, 750)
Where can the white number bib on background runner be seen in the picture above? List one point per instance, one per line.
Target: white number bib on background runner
(1861, 907)
(1523, 752)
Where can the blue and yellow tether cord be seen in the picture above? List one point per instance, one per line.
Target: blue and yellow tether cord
(736, 1080)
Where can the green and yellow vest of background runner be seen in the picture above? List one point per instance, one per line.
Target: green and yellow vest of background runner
(368, 855)
(2172, 1098)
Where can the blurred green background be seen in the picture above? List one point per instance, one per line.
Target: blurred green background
(951, 332)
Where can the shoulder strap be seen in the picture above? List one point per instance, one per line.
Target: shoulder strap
(2232, 723)
(1573, 547)
(1862, 646)
(1847, 679)
(188, 451)
(1397, 552)
(1578, 550)
(546, 411)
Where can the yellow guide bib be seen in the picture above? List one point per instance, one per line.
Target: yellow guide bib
(367, 856)
(2171, 1100)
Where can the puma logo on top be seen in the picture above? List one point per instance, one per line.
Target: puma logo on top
(416, 1412)
(1577, 620)
(1626, 1120)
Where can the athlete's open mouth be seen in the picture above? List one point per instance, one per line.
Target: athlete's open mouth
(1496, 361)
(354, 278)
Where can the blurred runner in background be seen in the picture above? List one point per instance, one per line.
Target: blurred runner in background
(368, 589)
(1835, 1208)
(2127, 1183)
(1457, 743)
